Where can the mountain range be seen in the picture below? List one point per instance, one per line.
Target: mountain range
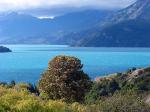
(129, 27)
(25, 29)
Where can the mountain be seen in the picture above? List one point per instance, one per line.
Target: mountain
(25, 29)
(139, 10)
(129, 27)
(17, 28)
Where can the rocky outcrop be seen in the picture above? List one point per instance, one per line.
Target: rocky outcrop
(128, 76)
(4, 49)
(139, 72)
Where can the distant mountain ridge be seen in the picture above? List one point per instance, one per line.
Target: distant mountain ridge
(129, 27)
(139, 10)
(25, 29)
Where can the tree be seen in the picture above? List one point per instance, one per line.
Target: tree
(65, 79)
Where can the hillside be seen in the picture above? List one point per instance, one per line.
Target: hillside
(126, 28)
(121, 92)
(132, 33)
(25, 29)
(138, 10)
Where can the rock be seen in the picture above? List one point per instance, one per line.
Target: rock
(4, 49)
(109, 77)
(139, 72)
(147, 100)
(129, 76)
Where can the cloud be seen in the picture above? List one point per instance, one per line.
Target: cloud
(16, 5)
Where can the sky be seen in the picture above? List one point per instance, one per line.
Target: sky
(50, 7)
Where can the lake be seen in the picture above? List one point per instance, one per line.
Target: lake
(27, 62)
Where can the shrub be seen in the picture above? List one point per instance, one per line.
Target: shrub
(101, 89)
(128, 102)
(140, 83)
(12, 100)
(65, 79)
(22, 87)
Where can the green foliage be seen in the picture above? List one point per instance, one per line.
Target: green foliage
(103, 88)
(141, 83)
(12, 83)
(68, 86)
(14, 100)
(128, 102)
(65, 80)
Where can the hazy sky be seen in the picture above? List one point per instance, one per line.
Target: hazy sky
(29, 5)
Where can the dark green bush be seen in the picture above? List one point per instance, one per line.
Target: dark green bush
(140, 83)
(101, 89)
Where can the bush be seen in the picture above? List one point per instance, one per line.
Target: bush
(140, 83)
(12, 100)
(107, 86)
(104, 88)
(128, 102)
(65, 79)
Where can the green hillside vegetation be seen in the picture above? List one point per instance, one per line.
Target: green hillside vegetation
(64, 87)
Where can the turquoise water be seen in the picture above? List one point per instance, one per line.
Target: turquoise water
(27, 62)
